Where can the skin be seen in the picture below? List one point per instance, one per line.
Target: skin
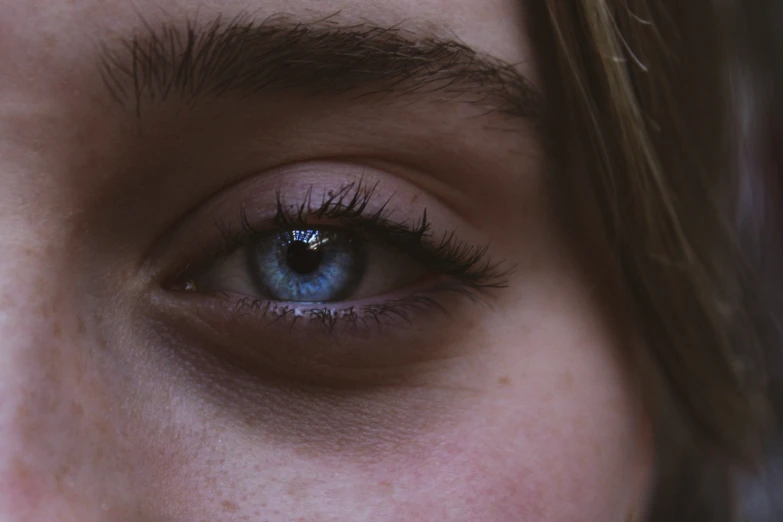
(117, 405)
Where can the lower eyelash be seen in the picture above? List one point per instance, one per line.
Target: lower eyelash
(396, 312)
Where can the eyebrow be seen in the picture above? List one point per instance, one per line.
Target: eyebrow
(246, 57)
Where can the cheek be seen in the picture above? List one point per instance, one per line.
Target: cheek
(557, 434)
(560, 443)
(538, 423)
(556, 462)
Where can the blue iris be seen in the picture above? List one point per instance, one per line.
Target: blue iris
(307, 265)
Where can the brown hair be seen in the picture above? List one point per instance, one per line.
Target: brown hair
(641, 112)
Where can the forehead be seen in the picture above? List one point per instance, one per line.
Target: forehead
(55, 106)
(49, 48)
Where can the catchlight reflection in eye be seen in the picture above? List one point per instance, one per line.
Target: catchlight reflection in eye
(307, 265)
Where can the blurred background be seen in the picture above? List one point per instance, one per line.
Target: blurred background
(756, 29)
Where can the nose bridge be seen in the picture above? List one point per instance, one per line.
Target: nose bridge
(58, 436)
(55, 441)
(41, 382)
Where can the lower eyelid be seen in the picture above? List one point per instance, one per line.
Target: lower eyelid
(428, 295)
(248, 333)
(239, 302)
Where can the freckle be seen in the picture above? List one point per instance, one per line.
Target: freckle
(49, 39)
(19, 470)
(229, 506)
(102, 342)
(297, 491)
(77, 410)
(101, 427)
(386, 487)
(57, 331)
(8, 300)
(80, 328)
(568, 380)
(23, 412)
(60, 477)
(504, 381)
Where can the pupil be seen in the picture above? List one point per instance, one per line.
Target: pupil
(302, 258)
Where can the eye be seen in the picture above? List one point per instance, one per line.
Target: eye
(310, 265)
(348, 257)
(307, 265)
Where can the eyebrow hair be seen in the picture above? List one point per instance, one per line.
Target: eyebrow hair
(244, 57)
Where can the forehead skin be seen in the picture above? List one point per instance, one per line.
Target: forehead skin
(532, 418)
(59, 41)
(47, 28)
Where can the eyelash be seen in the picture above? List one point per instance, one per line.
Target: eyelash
(465, 267)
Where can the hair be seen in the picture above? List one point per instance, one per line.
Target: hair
(642, 113)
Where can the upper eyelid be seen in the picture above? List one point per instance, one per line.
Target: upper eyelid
(204, 224)
(419, 234)
(450, 255)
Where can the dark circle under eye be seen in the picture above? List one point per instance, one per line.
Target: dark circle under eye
(307, 265)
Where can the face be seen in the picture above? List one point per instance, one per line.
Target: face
(282, 261)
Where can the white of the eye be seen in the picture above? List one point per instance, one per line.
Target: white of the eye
(386, 270)
(228, 275)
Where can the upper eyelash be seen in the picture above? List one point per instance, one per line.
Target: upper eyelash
(451, 257)
(349, 206)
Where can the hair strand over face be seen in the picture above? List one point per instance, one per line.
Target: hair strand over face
(640, 104)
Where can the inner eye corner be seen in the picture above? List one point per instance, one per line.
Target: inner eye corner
(182, 280)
